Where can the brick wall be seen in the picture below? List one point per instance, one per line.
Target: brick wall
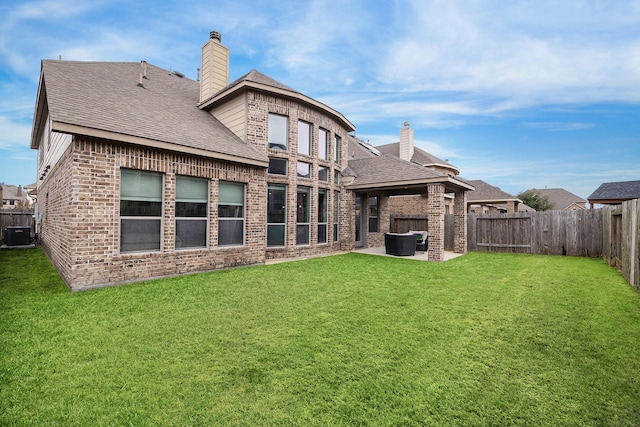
(435, 211)
(259, 105)
(57, 217)
(80, 227)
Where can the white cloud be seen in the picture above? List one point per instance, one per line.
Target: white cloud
(527, 53)
(14, 135)
(559, 126)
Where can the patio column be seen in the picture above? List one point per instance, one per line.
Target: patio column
(435, 215)
(460, 222)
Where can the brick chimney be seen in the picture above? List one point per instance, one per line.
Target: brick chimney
(215, 66)
(406, 142)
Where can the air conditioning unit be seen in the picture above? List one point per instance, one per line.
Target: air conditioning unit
(17, 236)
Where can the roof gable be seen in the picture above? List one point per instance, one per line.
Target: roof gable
(111, 97)
(255, 80)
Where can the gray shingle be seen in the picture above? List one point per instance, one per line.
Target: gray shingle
(106, 96)
(486, 192)
(624, 190)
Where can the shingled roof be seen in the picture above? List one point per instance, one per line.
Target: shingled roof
(255, 80)
(374, 169)
(487, 193)
(615, 192)
(562, 199)
(109, 99)
(419, 156)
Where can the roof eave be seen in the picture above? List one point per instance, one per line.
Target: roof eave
(38, 112)
(441, 165)
(494, 200)
(415, 183)
(146, 142)
(245, 85)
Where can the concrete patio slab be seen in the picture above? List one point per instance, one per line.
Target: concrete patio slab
(419, 256)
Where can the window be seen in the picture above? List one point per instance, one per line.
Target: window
(322, 144)
(304, 138)
(336, 177)
(373, 214)
(231, 214)
(140, 211)
(277, 132)
(304, 170)
(336, 214)
(276, 214)
(322, 216)
(323, 174)
(302, 216)
(192, 196)
(336, 149)
(277, 166)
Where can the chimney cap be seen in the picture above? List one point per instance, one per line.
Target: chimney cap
(214, 35)
(406, 124)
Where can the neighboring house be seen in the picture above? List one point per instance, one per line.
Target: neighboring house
(614, 193)
(489, 199)
(144, 173)
(562, 200)
(14, 197)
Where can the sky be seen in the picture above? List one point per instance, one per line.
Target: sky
(520, 94)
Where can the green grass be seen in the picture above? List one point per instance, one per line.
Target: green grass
(485, 339)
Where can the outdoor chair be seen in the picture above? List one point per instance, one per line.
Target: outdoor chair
(400, 244)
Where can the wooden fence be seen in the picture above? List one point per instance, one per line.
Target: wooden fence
(15, 217)
(621, 240)
(574, 233)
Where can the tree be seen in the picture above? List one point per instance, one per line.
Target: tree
(535, 200)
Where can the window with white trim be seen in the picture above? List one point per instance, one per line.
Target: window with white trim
(323, 144)
(277, 166)
(276, 214)
(140, 211)
(191, 210)
(304, 138)
(303, 204)
(323, 173)
(304, 170)
(322, 216)
(336, 214)
(231, 197)
(278, 131)
(373, 214)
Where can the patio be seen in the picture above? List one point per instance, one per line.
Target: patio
(419, 256)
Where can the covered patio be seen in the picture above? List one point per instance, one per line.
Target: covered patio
(382, 177)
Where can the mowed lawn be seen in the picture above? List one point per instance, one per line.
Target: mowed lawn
(485, 339)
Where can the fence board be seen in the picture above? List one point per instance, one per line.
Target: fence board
(574, 233)
(15, 217)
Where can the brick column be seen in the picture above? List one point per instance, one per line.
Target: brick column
(435, 214)
(460, 223)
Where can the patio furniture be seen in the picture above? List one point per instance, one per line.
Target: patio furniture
(422, 240)
(400, 244)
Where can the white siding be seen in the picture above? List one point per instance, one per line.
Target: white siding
(52, 147)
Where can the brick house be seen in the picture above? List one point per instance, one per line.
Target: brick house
(144, 173)
(486, 198)
(562, 199)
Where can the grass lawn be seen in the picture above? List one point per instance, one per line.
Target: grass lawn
(484, 339)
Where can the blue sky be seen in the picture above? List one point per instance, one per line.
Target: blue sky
(520, 94)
